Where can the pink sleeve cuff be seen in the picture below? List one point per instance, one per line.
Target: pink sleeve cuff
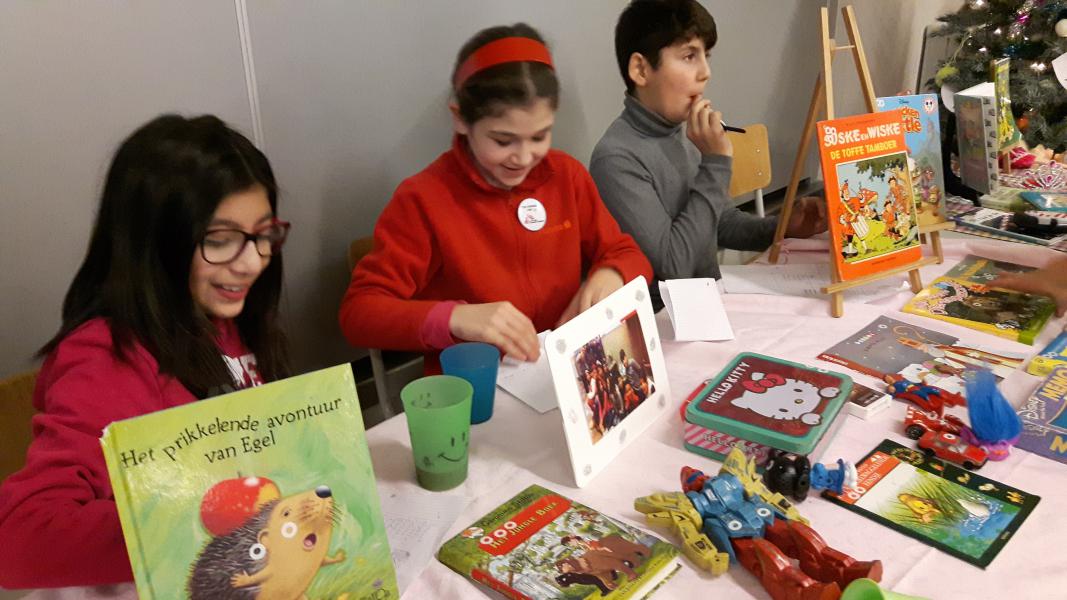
(435, 332)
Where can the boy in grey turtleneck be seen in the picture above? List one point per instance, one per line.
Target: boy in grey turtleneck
(667, 185)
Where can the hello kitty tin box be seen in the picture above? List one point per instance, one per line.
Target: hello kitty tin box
(760, 402)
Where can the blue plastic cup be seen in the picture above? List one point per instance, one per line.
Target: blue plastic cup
(476, 362)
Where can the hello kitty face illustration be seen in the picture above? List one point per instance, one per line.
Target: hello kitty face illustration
(777, 397)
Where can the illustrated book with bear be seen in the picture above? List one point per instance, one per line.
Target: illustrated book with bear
(541, 545)
(264, 492)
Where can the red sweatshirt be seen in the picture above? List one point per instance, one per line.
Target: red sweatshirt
(58, 519)
(447, 234)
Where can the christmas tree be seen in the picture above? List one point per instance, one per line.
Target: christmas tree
(1032, 33)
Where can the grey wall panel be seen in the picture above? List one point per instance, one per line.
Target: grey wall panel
(353, 99)
(75, 78)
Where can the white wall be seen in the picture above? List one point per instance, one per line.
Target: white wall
(352, 100)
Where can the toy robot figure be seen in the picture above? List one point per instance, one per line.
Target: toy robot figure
(733, 517)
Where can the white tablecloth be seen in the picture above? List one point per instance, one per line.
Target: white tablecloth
(518, 447)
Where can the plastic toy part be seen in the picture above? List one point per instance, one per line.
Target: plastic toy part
(791, 474)
(917, 422)
(953, 448)
(835, 480)
(994, 425)
(930, 398)
(728, 518)
(788, 474)
(866, 589)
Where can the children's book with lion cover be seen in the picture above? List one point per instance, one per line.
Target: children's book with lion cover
(1005, 313)
(937, 503)
(922, 133)
(540, 545)
(267, 492)
(869, 193)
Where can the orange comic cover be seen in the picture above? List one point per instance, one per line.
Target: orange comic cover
(871, 206)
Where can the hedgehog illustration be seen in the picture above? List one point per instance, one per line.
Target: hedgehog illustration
(275, 554)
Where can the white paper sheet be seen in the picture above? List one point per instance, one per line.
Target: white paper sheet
(696, 310)
(1059, 66)
(529, 382)
(415, 526)
(802, 279)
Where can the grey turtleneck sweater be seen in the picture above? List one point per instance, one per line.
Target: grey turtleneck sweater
(673, 201)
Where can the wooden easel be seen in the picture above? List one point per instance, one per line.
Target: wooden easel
(823, 96)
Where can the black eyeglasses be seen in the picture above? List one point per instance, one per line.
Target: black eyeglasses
(221, 246)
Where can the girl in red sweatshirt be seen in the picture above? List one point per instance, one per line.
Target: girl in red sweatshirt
(501, 236)
(171, 304)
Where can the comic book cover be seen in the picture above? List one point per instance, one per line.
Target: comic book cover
(1044, 417)
(1053, 355)
(540, 545)
(890, 347)
(1007, 134)
(922, 134)
(267, 492)
(1005, 313)
(871, 206)
(1046, 201)
(937, 503)
(976, 133)
(1002, 223)
(978, 269)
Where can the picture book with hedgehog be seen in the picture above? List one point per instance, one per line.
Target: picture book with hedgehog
(267, 492)
(541, 545)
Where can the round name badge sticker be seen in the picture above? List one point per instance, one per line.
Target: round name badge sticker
(532, 214)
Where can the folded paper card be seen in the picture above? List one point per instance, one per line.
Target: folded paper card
(696, 310)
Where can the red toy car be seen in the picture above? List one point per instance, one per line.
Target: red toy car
(950, 447)
(918, 422)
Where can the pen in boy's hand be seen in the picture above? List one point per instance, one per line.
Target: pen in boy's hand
(726, 127)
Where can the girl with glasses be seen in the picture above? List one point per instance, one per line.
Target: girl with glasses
(175, 301)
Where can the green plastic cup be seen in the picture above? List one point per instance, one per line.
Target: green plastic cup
(438, 409)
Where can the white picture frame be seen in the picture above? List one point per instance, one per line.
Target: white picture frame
(603, 412)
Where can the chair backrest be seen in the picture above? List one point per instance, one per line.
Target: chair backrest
(752, 160)
(358, 249)
(16, 410)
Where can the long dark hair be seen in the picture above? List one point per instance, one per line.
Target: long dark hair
(489, 91)
(161, 191)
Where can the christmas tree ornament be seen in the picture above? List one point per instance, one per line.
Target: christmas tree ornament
(944, 73)
(1061, 28)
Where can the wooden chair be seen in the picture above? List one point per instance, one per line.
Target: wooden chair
(16, 410)
(356, 251)
(752, 163)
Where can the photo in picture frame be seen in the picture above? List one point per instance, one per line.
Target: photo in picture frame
(610, 377)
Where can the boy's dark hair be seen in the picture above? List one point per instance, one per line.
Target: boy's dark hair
(648, 26)
(488, 91)
(162, 188)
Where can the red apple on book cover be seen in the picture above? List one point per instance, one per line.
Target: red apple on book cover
(232, 501)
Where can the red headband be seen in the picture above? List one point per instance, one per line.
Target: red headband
(498, 52)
